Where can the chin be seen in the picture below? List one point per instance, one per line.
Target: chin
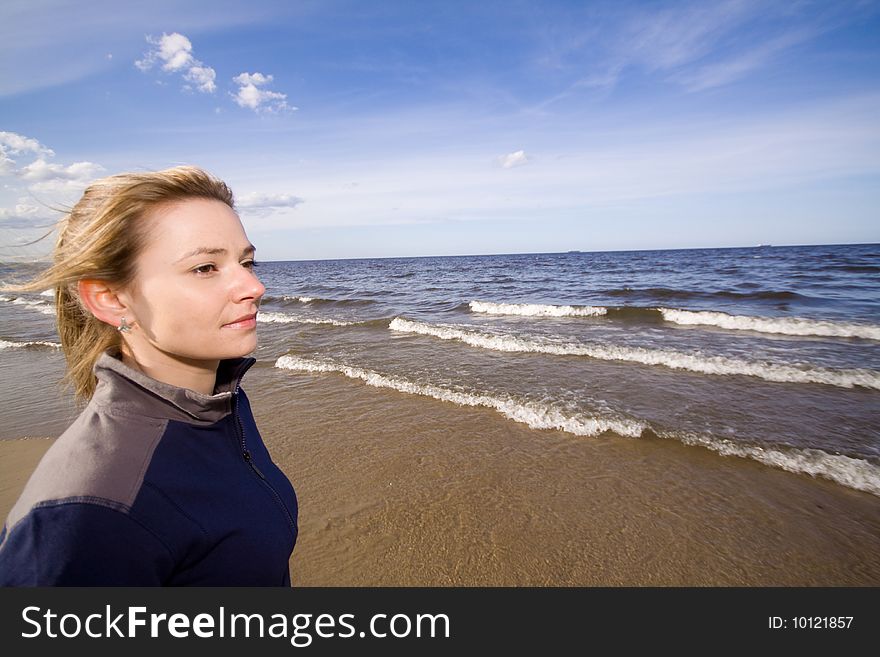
(244, 350)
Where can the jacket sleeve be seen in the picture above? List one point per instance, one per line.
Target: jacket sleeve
(82, 544)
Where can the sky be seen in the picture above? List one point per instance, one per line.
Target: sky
(396, 128)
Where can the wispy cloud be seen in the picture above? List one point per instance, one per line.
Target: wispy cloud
(252, 94)
(174, 51)
(673, 161)
(38, 176)
(737, 66)
(11, 142)
(48, 176)
(515, 159)
(694, 45)
(24, 214)
(260, 205)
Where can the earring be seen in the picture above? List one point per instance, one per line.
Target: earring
(123, 327)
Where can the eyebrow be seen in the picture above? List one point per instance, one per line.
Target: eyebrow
(207, 250)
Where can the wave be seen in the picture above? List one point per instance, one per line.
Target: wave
(781, 325)
(39, 305)
(692, 362)
(33, 344)
(535, 310)
(793, 326)
(283, 318)
(537, 416)
(844, 470)
(668, 293)
(287, 299)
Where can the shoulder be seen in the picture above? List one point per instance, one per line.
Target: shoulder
(69, 543)
(100, 459)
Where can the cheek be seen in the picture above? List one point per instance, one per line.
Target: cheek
(176, 308)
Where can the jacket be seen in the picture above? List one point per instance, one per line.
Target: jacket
(154, 485)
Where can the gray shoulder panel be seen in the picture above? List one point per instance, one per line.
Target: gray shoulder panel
(100, 456)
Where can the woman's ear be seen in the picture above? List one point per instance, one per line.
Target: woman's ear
(102, 301)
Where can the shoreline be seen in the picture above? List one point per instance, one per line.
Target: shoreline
(397, 490)
(423, 492)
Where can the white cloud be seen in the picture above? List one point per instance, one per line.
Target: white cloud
(515, 159)
(24, 214)
(264, 204)
(16, 144)
(40, 171)
(7, 164)
(52, 181)
(203, 77)
(251, 96)
(12, 143)
(174, 51)
(40, 174)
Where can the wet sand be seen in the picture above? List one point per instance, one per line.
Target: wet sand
(18, 458)
(401, 490)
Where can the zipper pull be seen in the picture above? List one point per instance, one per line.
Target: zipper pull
(247, 457)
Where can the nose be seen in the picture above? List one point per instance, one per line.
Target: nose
(248, 286)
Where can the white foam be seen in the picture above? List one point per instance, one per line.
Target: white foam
(48, 293)
(692, 362)
(300, 299)
(537, 416)
(34, 304)
(847, 471)
(781, 325)
(535, 310)
(5, 344)
(283, 318)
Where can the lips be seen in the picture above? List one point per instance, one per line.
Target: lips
(245, 321)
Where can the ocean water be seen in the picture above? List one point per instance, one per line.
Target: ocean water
(768, 353)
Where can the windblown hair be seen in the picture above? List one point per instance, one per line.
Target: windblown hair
(101, 238)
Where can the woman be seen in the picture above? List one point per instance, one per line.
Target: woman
(163, 479)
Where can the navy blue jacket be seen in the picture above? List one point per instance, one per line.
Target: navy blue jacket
(154, 485)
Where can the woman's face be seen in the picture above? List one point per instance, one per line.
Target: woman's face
(195, 296)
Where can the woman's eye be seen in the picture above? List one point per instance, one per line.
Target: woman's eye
(204, 269)
(249, 264)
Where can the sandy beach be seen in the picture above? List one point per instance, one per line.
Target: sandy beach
(460, 496)
(397, 490)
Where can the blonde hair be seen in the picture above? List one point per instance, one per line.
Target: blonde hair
(100, 238)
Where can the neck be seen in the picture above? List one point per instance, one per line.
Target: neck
(197, 375)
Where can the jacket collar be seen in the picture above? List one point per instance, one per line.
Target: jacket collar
(128, 391)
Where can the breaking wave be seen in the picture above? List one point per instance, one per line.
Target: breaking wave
(780, 325)
(282, 318)
(33, 344)
(844, 470)
(692, 362)
(537, 416)
(535, 310)
(794, 326)
(39, 305)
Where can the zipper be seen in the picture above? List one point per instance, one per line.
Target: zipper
(250, 461)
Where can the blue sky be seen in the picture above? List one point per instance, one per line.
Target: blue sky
(372, 129)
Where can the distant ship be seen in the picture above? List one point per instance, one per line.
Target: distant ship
(763, 246)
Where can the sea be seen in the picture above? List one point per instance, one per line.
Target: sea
(769, 354)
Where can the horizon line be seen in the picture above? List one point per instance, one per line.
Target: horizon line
(634, 250)
(486, 255)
